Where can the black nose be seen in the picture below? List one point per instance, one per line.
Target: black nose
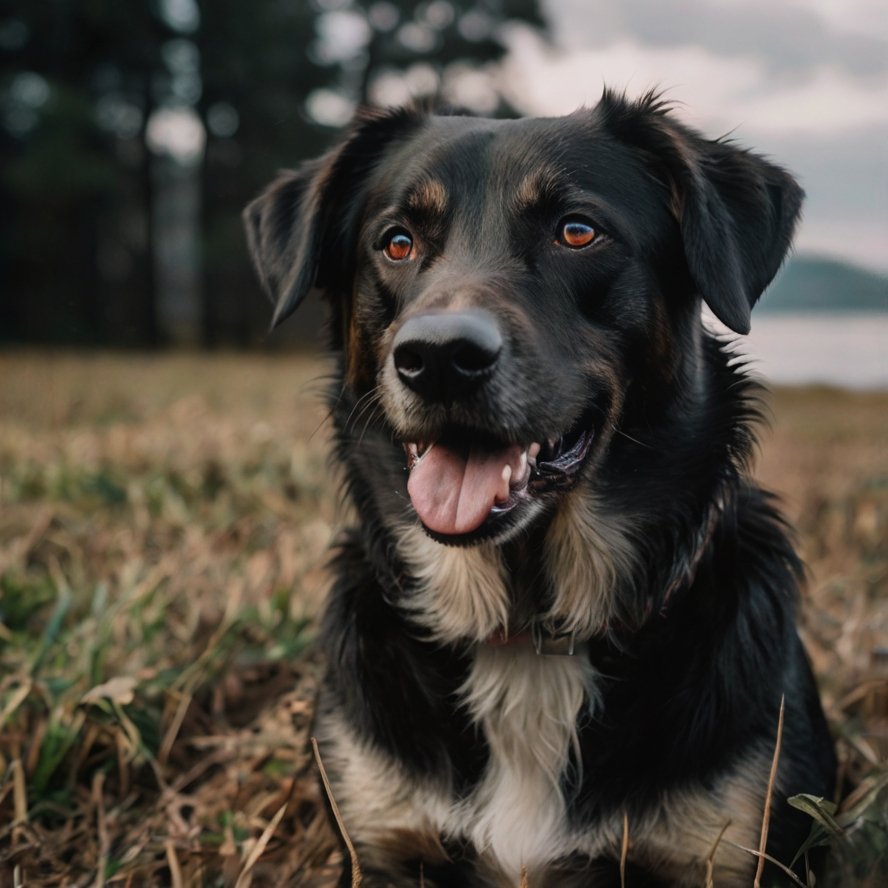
(444, 356)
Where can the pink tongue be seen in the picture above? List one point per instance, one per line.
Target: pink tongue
(453, 492)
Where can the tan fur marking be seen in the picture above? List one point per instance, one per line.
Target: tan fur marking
(355, 360)
(380, 805)
(585, 554)
(430, 196)
(534, 188)
(675, 838)
(686, 828)
(462, 592)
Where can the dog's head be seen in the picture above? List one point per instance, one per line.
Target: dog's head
(514, 291)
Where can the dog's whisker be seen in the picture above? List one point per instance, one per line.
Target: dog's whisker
(369, 407)
(370, 411)
(622, 434)
(372, 415)
(367, 399)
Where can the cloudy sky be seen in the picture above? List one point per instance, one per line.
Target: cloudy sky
(803, 81)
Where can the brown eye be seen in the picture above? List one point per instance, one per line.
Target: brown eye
(398, 245)
(576, 234)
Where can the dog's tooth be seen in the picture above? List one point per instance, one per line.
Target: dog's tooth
(533, 452)
(503, 493)
(523, 472)
(422, 449)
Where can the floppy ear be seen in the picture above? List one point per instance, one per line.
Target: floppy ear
(295, 224)
(736, 210)
(737, 213)
(283, 234)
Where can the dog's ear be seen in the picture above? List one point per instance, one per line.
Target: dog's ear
(282, 234)
(736, 210)
(296, 224)
(737, 214)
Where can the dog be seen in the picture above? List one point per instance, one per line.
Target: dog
(562, 625)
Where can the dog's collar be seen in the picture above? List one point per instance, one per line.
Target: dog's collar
(546, 641)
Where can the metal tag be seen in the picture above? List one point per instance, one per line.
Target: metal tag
(547, 644)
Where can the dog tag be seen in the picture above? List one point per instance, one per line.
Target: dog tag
(549, 645)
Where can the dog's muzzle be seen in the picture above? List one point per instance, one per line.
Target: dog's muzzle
(466, 484)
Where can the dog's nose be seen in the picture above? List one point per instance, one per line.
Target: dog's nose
(444, 356)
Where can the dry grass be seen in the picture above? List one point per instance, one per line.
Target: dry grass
(162, 525)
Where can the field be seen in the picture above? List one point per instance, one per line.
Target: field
(163, 521)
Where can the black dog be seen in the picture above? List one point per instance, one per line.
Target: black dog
(565, 616)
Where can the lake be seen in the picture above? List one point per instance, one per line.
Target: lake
(848, 351)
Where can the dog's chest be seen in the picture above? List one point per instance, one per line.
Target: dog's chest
(527, 707)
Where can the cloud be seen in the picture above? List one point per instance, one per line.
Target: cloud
(846, 16)
(786, 36)
(830, 101)
(717, 92)
(846, 179)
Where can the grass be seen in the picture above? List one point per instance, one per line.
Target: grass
(163, 522)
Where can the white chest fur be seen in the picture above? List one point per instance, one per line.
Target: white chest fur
(527, 705)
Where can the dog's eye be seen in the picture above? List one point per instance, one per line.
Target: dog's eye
(576, 234)
(397, 245)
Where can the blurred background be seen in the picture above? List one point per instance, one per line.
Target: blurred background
(132, 134)
(164, 503)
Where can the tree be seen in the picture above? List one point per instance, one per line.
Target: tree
(93, 97)
(254, 68)
(77, 89)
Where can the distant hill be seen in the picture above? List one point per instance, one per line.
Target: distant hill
(818, 284)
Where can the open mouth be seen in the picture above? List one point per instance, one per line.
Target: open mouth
(465, 486)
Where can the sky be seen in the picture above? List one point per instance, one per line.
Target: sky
(804, 82)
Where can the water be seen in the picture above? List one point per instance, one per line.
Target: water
(848, 351)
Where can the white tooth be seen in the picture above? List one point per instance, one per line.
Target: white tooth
(503, 492)
(534, 451)
(522, 472)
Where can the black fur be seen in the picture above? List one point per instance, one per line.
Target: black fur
(700, 642)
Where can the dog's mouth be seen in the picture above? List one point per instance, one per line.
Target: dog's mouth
(466, 486)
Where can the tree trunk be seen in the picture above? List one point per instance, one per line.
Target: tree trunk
(146, 315)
